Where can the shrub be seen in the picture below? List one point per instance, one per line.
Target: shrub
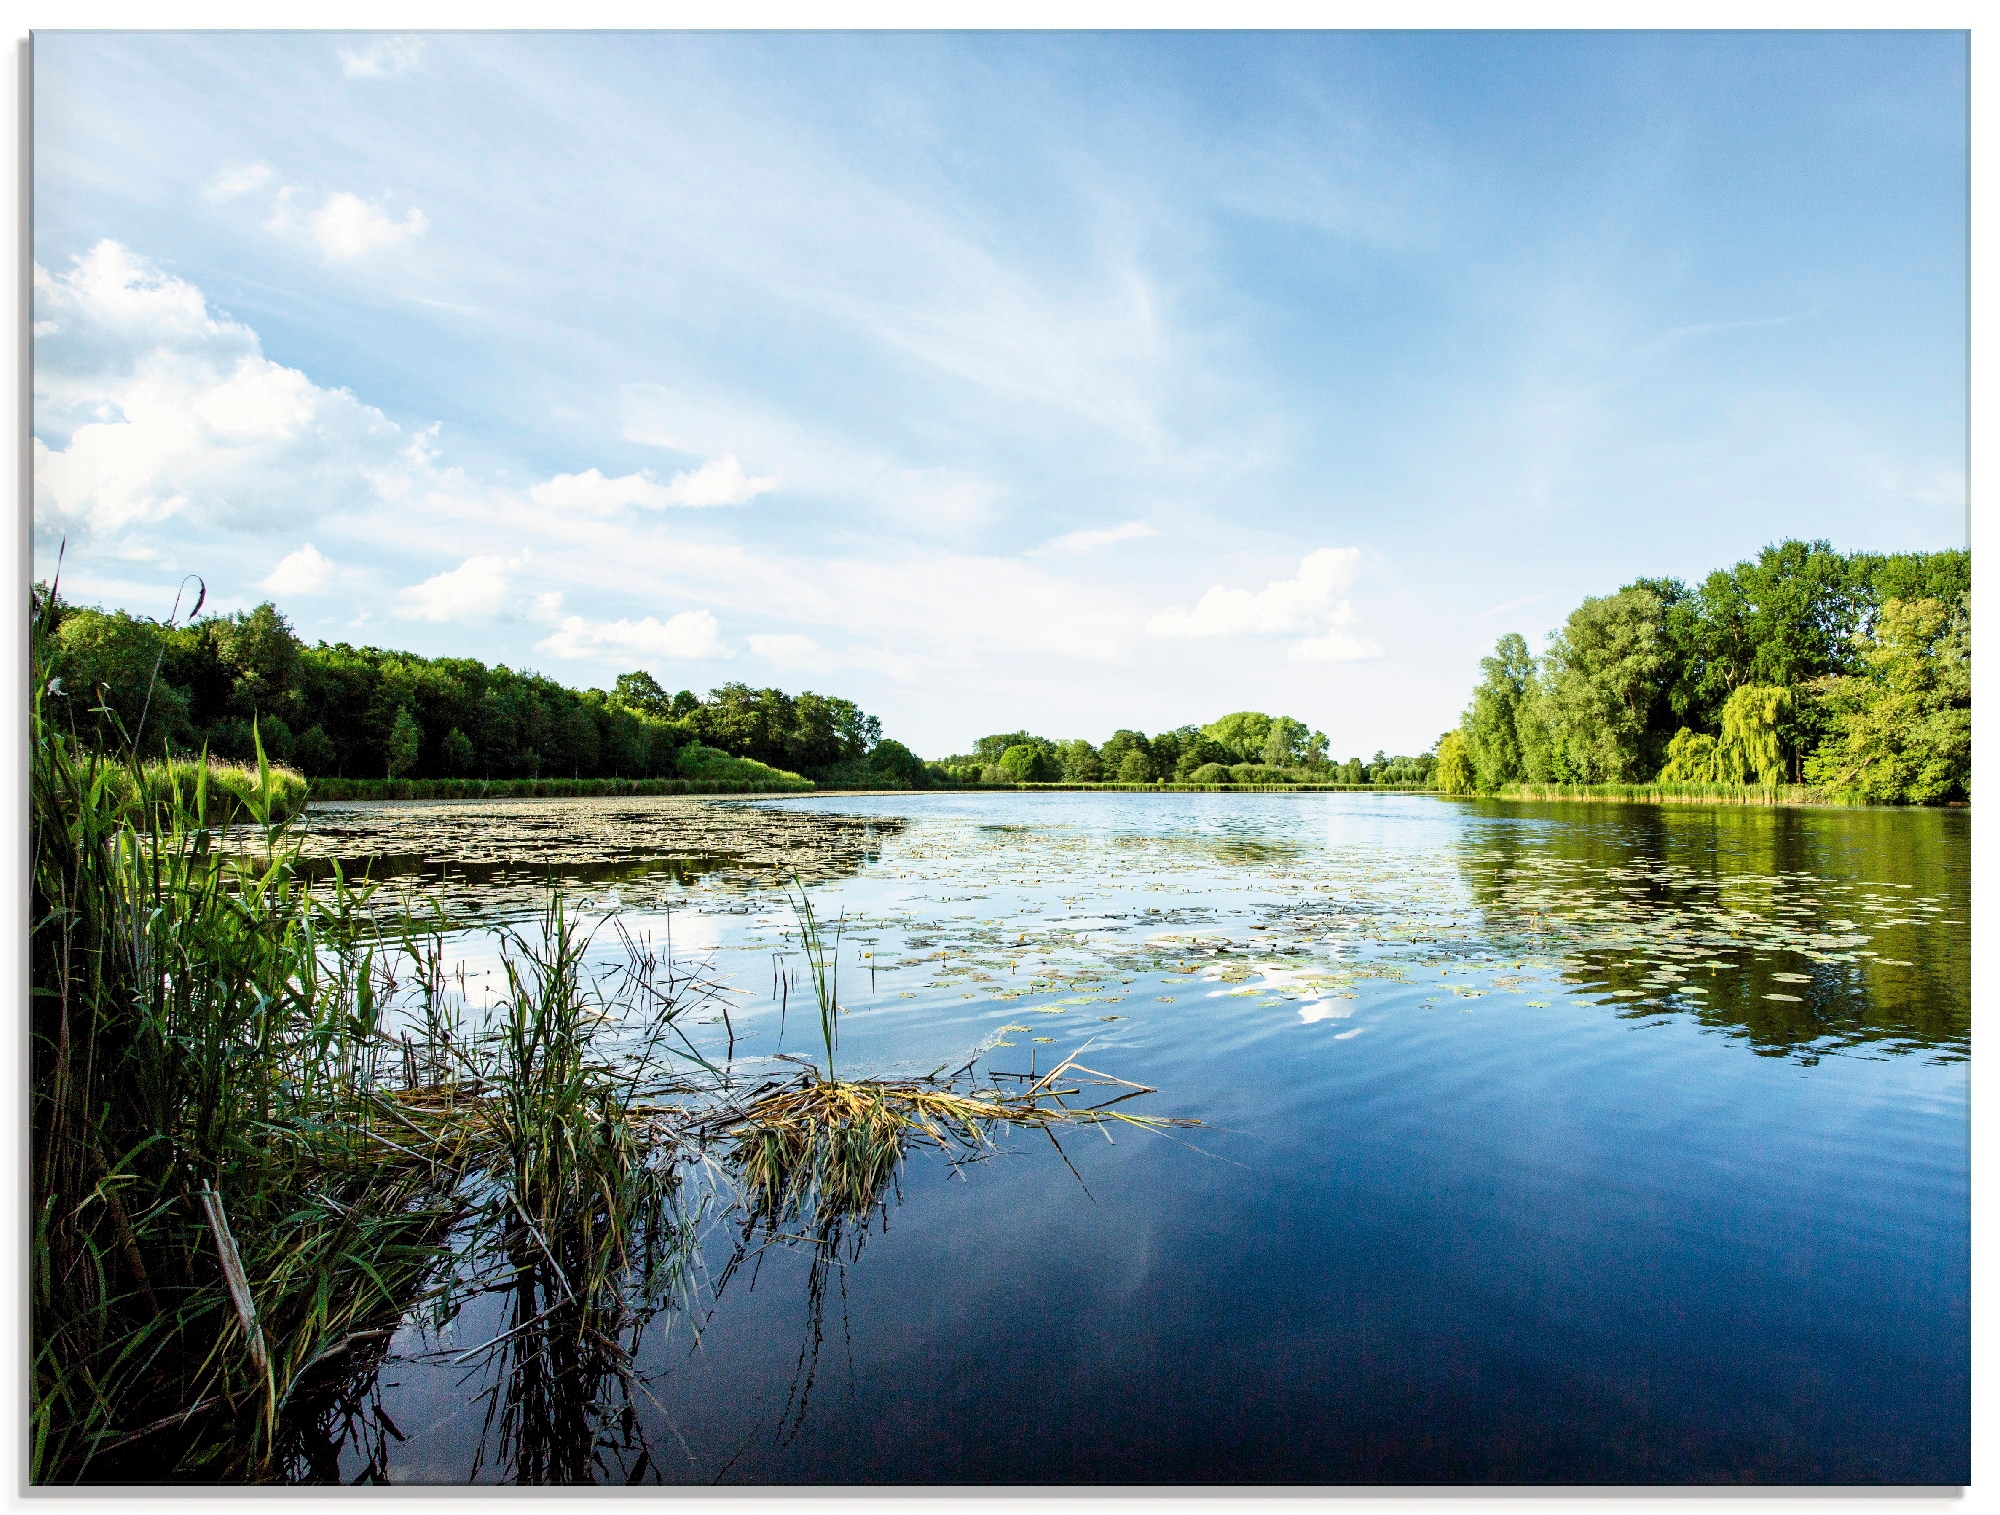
(709, 763)
(1211, 773)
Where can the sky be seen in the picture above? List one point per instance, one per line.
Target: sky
(1067, 381)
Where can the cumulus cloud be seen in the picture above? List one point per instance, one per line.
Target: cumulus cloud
(719, 482)
(384, 58)
(346, 227)
(307, 571)
(475, 590)
(234, 182)
(1309, 602)
(148, 405)
(691, 634)
(1295, 604)
(1090, 541)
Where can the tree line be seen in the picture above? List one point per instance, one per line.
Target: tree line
(1244, 747)
(1850, 672)
(331, 709)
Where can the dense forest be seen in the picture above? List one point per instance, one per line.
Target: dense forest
(1246, 747)
(1848, 672)
(363, 712)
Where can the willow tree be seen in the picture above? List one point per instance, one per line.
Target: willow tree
(1454, 772)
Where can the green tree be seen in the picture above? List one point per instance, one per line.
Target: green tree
(455, 754)
(1492, 723)
(1454, 773)
(1241, 733)
(1902, 729)
(405, 739)
(313, 753)
(1604, 669)
(1751, 750)
(1285, 743)
(1691, 759)
(1136, 767)
(1079, 760)
(1025, 763)
(640, 691)
(893, 766)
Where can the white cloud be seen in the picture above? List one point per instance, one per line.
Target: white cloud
(1282, 605)
(385, 58)
(1090, 541)
(691, 634)
(814, 459)
(304, 572)
(148, 406)
(478, 588)
(346, 226)
(719, 482)
(234, 182)
(1334, 646)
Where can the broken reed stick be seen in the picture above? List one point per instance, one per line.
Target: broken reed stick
(233, 1275)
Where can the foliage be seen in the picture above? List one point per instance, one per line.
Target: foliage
(334, 710)
(1750, 751)
(1772, 669)
(1136, 767)
(1902, 729)
(1211, 773)
(1026, 763)
(1493, 723)
(1455, 773)
(1601, 670)
(1241, 734)
(712, 765)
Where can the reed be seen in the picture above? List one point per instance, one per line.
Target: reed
(1677, 794)
(212, 1227)
(336, 789)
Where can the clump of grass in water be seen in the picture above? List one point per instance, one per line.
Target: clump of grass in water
(829, 1148)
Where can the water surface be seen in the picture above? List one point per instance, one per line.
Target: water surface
(1540, 1144)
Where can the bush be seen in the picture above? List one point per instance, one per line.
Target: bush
(1211, 773)
(714, 766)
(1259, 773)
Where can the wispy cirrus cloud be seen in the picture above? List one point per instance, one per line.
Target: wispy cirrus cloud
(382, 58)
(1090, 541)
(233, 183)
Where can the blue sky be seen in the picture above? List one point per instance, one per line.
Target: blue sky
(1071, 381)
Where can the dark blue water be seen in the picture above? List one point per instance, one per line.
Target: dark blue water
(1589, 1217)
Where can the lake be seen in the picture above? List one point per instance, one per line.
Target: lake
(1581, 1144)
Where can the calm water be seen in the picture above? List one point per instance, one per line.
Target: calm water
(1568, 1144)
